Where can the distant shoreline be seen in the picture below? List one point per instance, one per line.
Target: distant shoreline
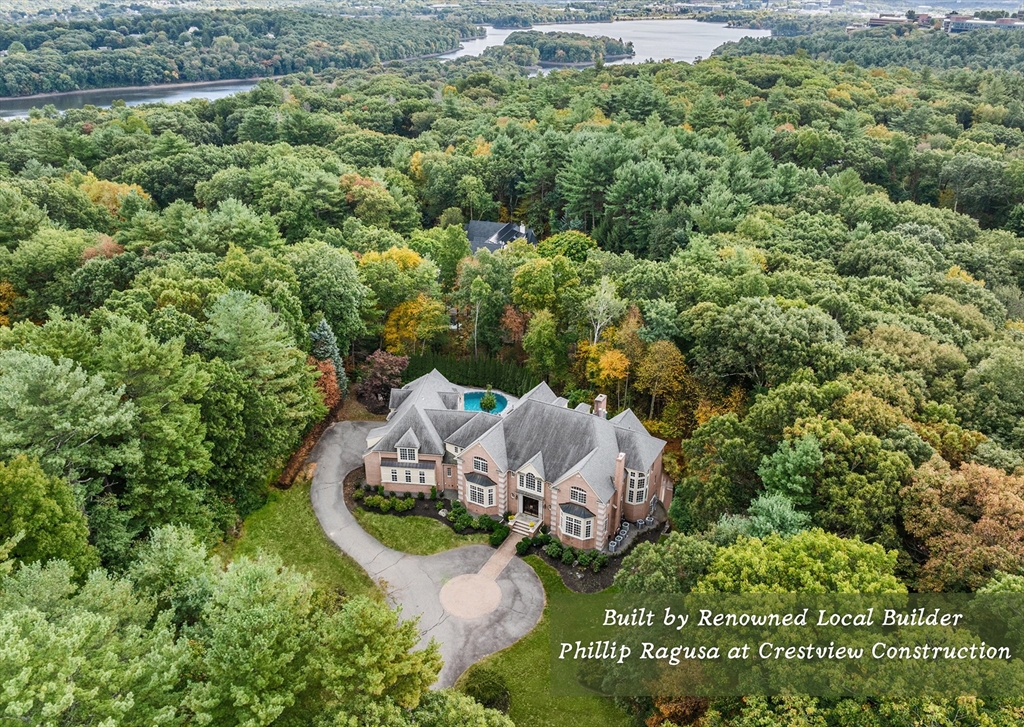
(148, 87)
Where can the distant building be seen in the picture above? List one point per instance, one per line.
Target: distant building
(494, 236)
(963, 23)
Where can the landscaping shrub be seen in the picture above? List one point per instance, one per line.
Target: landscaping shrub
(488, 687)
(386, 503)
(568, 556)
(422, 496)
(380, 490)
(433, 493)
(499, 534)
(404, 504)
(486, 524)
(523, 546)
(541, 539)
(584, 557)
(554, 550)
(463, 521)
(544, 529)
(439, 504)
(358, 495)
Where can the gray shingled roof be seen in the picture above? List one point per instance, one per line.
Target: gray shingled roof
(571, 508)
(564, 437)
(409, 439)
(472, 429)
(479, 479)
(540, 392)
(537, 461)
(397, 397)
(540, 429)
(494, 441)
(447, 421)
(398, 427)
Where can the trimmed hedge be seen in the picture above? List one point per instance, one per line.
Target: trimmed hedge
(480, 372)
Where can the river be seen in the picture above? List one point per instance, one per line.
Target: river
(678, 40)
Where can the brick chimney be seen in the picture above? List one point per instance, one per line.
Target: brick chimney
(601, 406)
(620, 477)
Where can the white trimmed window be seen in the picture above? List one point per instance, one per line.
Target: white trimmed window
(529, 481)
(637, 491)
(449, 471)
(480, 495)
(423, 477)
(408, 475)
(577, 527)
(578, 494)
(394, 475)
(480, 464)
(406, 454)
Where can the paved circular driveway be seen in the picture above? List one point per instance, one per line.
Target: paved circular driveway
(414, 582)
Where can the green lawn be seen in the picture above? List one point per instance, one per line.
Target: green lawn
(414, 534)
(287, 527)
(525, 667)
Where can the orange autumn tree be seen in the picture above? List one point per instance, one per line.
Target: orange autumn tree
(969, 523)
(327, 383)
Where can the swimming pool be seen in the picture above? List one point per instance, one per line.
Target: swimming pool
(471, 401)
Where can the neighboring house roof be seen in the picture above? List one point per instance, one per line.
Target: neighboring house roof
(540, 430)
(494, 236)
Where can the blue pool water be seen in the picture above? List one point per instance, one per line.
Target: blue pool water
(471, 401)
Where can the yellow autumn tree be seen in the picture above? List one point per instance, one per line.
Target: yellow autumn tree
(108, 194)
(413, 324)
(7, 297)
(612, 371)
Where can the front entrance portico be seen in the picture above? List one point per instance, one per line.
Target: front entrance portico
(529, 506)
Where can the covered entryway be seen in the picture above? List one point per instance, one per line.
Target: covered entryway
(529, 506)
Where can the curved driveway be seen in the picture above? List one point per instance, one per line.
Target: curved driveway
(414, 582)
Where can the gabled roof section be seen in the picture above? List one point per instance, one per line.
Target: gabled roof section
(628, 420)
(562, 435)
(410, 423)
(447, 421)
(640, 449)
(537, 462)
(494, 441)
(409, 439)
(397, 397)
(408, 418)
(540, 392)
(450, 399)
(473, 429)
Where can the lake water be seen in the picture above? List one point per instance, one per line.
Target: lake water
(18, 108)
(677, 40)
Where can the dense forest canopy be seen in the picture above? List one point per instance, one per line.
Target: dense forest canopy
(807, 276)
(133, 50)
(903, 46)
(555, 47)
